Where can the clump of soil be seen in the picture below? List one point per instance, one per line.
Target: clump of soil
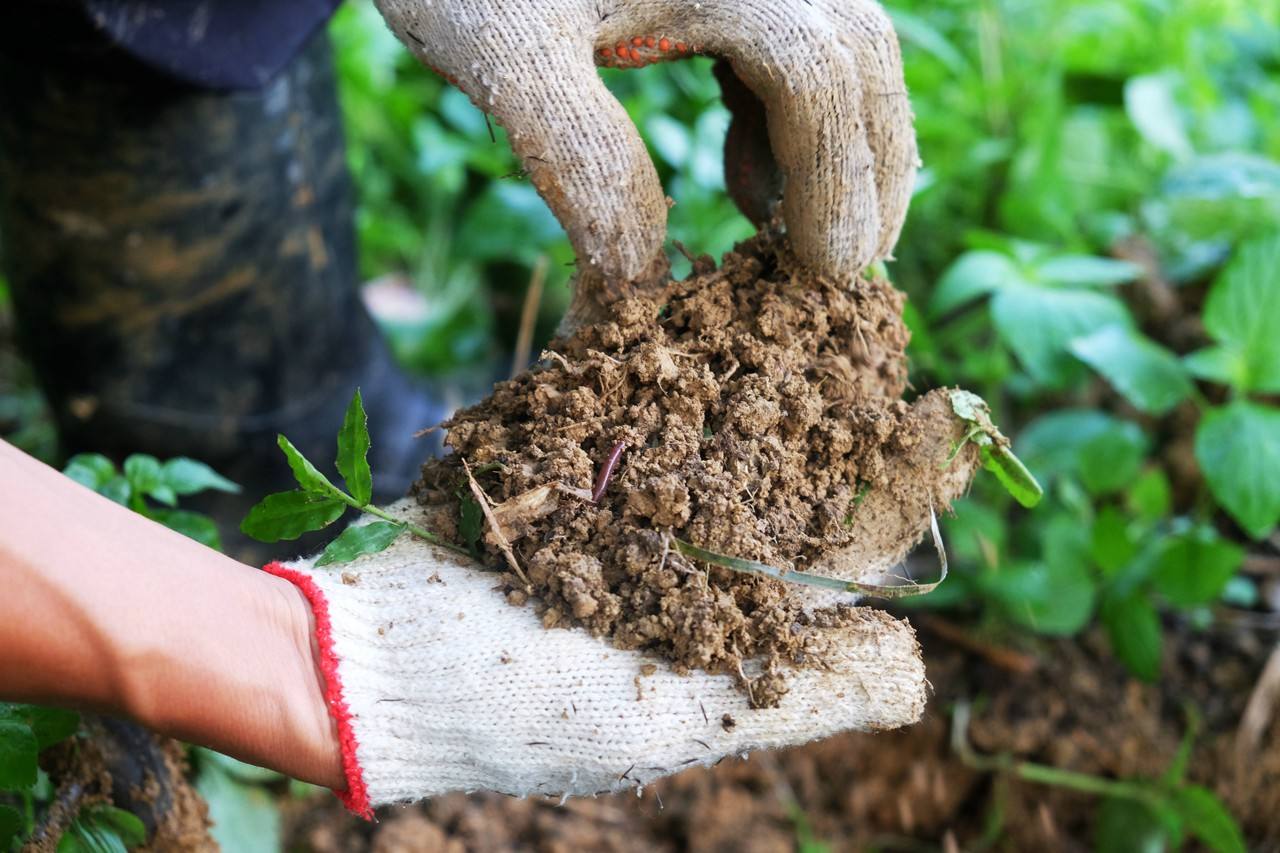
(756, 408)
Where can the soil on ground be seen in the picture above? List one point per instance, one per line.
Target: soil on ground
(1065, 703)
(748, 409)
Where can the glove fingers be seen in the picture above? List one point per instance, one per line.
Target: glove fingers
(869, 37)
(535, 74)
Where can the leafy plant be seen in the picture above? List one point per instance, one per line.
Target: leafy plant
(26, 731)
(1136, 814)
(145, 479)
(317, 502)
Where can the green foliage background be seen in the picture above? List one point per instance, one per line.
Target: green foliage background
(1057, 136)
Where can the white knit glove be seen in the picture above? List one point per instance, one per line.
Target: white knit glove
(829, 73)
(437, 684)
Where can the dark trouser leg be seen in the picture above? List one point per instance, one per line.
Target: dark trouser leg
(183, 262)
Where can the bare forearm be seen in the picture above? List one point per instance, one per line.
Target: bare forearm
(104, 609)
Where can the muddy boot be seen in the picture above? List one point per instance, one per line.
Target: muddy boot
(183, 264)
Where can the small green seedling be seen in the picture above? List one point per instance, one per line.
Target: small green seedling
(994, 448)
(317, 502)
(145, 481)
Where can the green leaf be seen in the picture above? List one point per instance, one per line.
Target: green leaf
(1050, 445)
(18, 750)
(143, 472)
(189, 476)
(1009, 470)
(1150, 104)
(92, 470)
(1112, 546)
(359, 540)
(1038, 324)
(288, 515)
(127, 826)
(1085, 271)
(1056, 595)
(1238, 448)
(11, 826)
(1128, 826)
(237, 769)
(1111, 460)
(1193, 567)
(51, 725)
(1151, 496)
(353, 452)
(1223, 365)
(117, 489)
(307, 475)
(1242, 310)
(1147, 374)
(195, 525)
(245, 817)
(1206, 818)
(973, 275)
(1134, 629)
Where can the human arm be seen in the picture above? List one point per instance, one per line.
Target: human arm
(103, 609)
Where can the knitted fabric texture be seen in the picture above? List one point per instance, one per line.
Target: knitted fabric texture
(446, 687)
(829, 73)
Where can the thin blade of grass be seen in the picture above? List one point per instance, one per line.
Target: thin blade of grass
(751, 567)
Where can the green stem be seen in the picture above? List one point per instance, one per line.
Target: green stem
(420, 532)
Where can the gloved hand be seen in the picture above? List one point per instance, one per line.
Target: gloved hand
(829, 73)
(436, 684)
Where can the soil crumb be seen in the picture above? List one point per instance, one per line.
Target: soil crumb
(747, 409)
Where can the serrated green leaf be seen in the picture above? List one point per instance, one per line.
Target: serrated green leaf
(1149, 101)
(1193, 567)
(92, 470)
(1038, 325)
(288, 515)
(18, 751)
(1133, 627)
(1238, 448)
(973, 275)
(356, 541)
(307, 475)
(191, 524)
(143, 472)
(353, 452)
(11, 826)
(1147, 374)
(189, 476)
(1128, 826)
(1242, 309)
(1206, 818)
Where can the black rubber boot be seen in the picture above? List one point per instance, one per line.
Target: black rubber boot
(183, 264)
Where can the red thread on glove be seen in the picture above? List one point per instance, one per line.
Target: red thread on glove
(356, 797)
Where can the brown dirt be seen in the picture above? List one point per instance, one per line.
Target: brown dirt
(762, 418)
(906, 790)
